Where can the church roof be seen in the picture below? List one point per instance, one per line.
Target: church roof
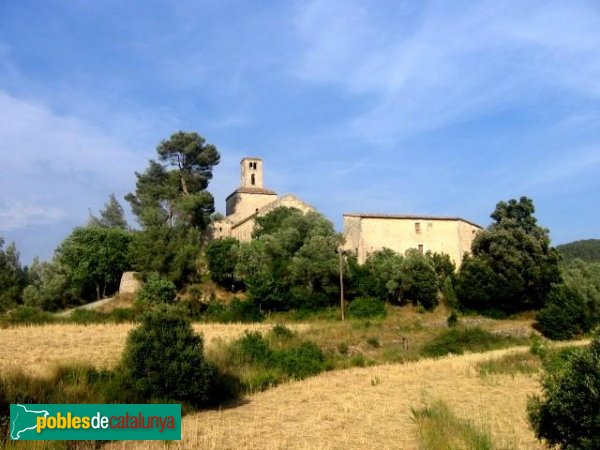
(251, 190)
(409, 217)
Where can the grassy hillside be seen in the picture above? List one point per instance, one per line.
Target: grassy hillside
(588, 250)
(376, 407)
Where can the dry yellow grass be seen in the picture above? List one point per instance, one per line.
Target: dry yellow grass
(366, 408)
(36, 349)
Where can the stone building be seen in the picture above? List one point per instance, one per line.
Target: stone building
(363, 233)
(250, 200)
(366, 233)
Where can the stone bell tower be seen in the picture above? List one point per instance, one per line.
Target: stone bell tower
(251, 195)
(252, 173)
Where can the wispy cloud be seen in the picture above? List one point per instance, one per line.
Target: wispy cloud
(448, 62)
(15, 215)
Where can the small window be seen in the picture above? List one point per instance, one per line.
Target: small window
(256, 210)
(421, 249)
(418, 227)
(250, 165)
(252, 180)
(254, 165)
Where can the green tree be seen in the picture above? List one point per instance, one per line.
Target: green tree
(94, 259)
(13, 277)
(567, 414)
(587, 250)
(221, 256)
(164, 359)
(112, 216)
(381, 276)
(292, 260)
(173, 190)
(158, 290)
(419, 280)
(513, 266)
(171, 252)
(49, 287)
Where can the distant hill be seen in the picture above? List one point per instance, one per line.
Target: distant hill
(588, 250)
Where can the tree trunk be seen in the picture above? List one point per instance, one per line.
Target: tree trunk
(97, 291)
(183, 184)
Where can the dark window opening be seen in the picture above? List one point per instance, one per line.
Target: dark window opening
(421, 249)
(250, 165)
(417, 227)
(252, 179)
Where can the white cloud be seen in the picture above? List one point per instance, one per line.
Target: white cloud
(55, 167)
(448, 62)
(14, 215)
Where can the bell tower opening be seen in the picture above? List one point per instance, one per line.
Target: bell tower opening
(252, 173)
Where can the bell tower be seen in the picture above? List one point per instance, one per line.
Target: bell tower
(251, 195)
(252, 173)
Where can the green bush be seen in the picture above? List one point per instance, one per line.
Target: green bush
(457, 341)
(236, 311)
(565, 316)
(252, 348)
(452, 319)
(567, 414)
(282, 332)
(367, 307)
(28, 315)
(300, 361)
(163, 359)
(157, 290)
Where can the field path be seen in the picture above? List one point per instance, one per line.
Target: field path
(365, 408)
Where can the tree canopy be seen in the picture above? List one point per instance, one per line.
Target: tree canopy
(513, 266)
(587, 250)
(172, 190)
(112, 216)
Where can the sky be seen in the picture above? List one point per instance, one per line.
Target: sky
(420, 107)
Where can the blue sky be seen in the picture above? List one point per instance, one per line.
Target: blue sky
(440, 108)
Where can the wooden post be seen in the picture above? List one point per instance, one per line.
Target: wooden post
(341, 283)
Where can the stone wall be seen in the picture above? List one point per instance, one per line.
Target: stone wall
(366, 234)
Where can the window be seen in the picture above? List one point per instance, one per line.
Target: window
(254, 164)
(252, 180)
(421, 249)
(250, 165)
(418, 227)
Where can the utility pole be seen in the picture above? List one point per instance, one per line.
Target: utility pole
(341, 282)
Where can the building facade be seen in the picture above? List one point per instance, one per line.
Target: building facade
(367, 233)
(250, 200)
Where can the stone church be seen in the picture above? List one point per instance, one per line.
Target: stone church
(363, 233)
(249, 200)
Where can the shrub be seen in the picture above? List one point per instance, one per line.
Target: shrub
(366, 307)
(452, 319)
(29, 315)
(157, 290)
(282, 332)
(252, 348)
(458, 341)
(301, 361)
(419, 280)
(565, 316)
(566, 415)
(373, 342)
(236, 311)
(221, 255)
(164, 359)
(86, 316)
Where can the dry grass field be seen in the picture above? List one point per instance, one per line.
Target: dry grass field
(37, 349)
(367, 408)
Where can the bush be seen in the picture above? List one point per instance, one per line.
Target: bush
(419, 280)
(252, 348)
(28, 315)
(236, 311)
(565, 316)
(452, 319)
(566, 415)
(366, 307)
(282, 332)
(301, 361)
(157, 290)
(164, 359)
(221, 255)
(458, 341)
